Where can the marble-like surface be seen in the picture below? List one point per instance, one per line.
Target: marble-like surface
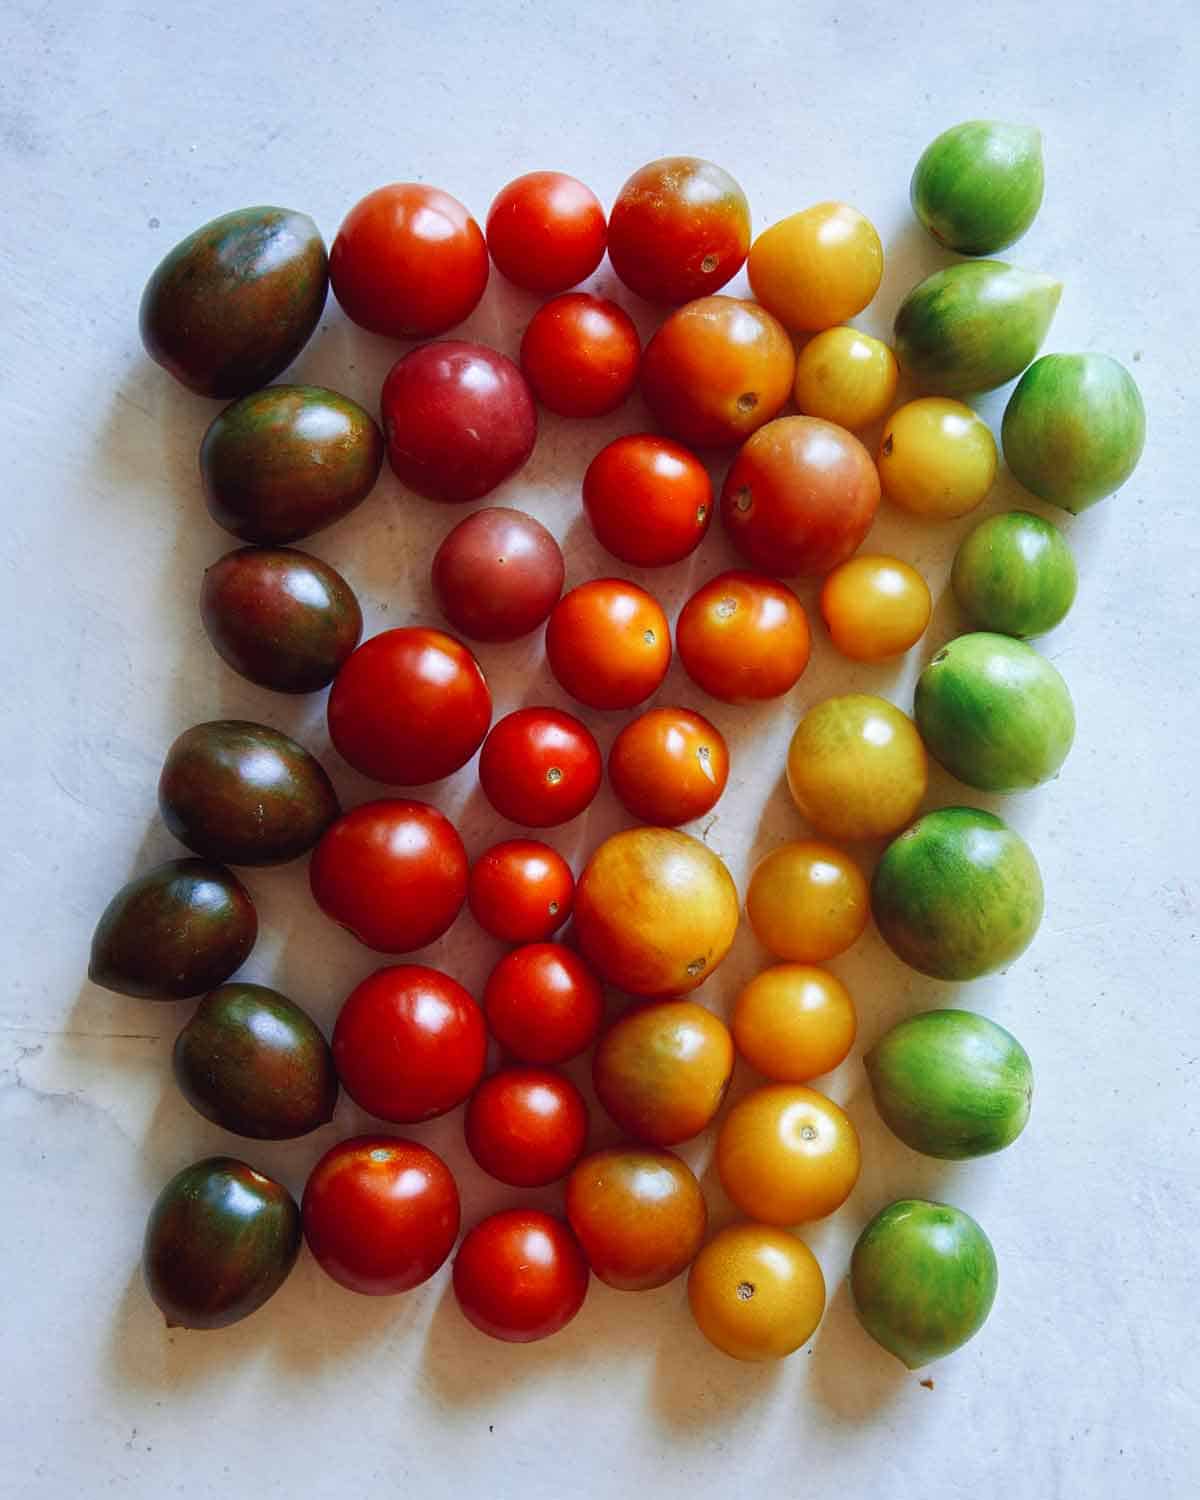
(122, 127)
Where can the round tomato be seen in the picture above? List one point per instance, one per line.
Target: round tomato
(498, 574)
(409, 262)
(717, 370)
(937, 458)
(381, 1214)
(668, 766)
(581, 355)
(526, 1126)
(786, 1154)
(875, 607)
(794, 1022)
(756, 1292)
(540, 767)
(800, 496)
(546, 231)
(409, 1043)
(543, 1003)
(743, 638)
(608, 643)
(648, 499)
(807, 902)
(680, 228)
(520, 1276)
(393, 873)
(846, 377)
(639, 1215)
(818, 267)
(409, 706)
(661, 1070)
(521, 891)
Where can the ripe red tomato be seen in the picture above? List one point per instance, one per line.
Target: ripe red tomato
(409, 261)
(743, 637)
(381, 1214)
(526, 1126)
(540, 767)
(649, 500)
(394, 873)
(520, 1275)
(581, 355)
(521, 891)
(546, 231)
(409, 1043)
(608, 643)
(680, 228)
(543, 1003)
(668, 766)
(409, 706)
(498, 574)
(459, 419)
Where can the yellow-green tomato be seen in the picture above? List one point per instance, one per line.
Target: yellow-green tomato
(818, 267)
(937, 458)
(875, 607)
(845, 377)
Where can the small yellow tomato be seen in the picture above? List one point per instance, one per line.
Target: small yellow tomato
(856, 767)
(817, 268)
(787, 1155)
(875, 607)
(937, 458)
(756, 1292)
(794, 1022)
(807, 901)
(845, 377)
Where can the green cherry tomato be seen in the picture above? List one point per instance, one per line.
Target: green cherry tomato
(978, 186)
(1015, 574)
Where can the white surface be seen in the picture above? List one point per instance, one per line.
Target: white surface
(121, 129)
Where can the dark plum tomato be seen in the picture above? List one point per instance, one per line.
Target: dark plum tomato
(498, 574)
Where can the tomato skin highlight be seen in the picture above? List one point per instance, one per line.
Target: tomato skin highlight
(520, 1276)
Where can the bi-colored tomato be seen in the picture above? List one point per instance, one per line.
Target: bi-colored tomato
(743, 638)
(520, 1276)
(608, 643)
(543, 1003)
(521, 891)
(794, 1022)
(846, 377)
(498, 574)
(818, 267)
(638, 1213)
(649, 500)
(875, 607)
(540, 767)
(756, 1292)
(581, 355)
(668, 766)
(546, 231)
(526, 1126)
(937, 458)
(786, 1154)
(807, 902)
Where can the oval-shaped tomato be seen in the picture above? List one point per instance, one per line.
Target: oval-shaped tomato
(756, 1292)
(608, 643)
(581, 355)
(546, 231)
(543, 1003)
(668, 766)
(520, 1276)
(649, 500)
(638, 1213)
(521, 891)
(818, 267)
(794, 1022)
(743, 638)
(846, 376)
(807, 901)
(526, 1126)
(875, 607)
(540, 767)
(498, 574)
(786, 1154)
(937, 458)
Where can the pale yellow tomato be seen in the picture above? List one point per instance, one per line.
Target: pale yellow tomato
(786, 1154)
(937, 458)
(845, 377)
(818, 267)
(856, 767)
(756, 1292)
(807, 901)
(875, 607)
(794, 1022)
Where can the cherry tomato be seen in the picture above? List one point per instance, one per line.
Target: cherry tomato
(392, 872)
(807, 902)
(756, 1292)
(846, 377)
(786, 1154)
(649, 500)
(639, 1215)
(680, 228)
(662, 1069)
(800, 497)
(717, 370)
(409, 706)
(521, 891)
(408, 262)
(818, 267)
(409, 1043)
(540, 767)
(459, 419)
(937, 458)
(498, 574)
(668, 766)
(794, 1022)
(608, 643)
(546, 231)
(875, 607)
(543, 1003)
(581, 355)
(743, 638)
(381, 1214)
(520, 1276)
(526, 1126)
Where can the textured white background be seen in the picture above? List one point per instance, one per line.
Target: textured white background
(122, 127)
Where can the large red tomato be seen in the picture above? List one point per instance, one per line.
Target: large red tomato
(498, 574)
(546, 231)
(608, 643)
(520, 1275)
(521, 891)
(581, 355)
(526, 1126)
(743, 637)
(649, 500)
(543, 1003)
(540, 767)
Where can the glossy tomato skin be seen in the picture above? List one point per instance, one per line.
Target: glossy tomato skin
(807, 901)
(847, 377)
(526, 1126)
(662, 1070)
(520, 1276)
(521, 891)
(544, 1003)
(875, 607)
(794, 1022)
(639, 1214)
(409, 706)
(756, 1292)
(381, 1214)
(409, 1043)
(540, 767)
(818, 267)
(743, 637)
(680, 228)
(498, 574)
(546, 232)
(608, 643)
(649, 500)
(787, 1154)
(581, 355)
(459, 419)
(408, 262)
(669, 766)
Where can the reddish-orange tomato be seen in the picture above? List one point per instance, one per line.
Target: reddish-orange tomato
(786, 1154)
(521, 891)
(668, 766)
(526, 1126)
(743, 637)
(540, 767)
(717, 370)
(581, 355)
(649, 500)
(543, 1003)
(608, 643)
(546, 231)
(638, 1213)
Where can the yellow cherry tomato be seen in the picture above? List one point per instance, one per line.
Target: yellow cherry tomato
(787, 1155)
(756, 1292)
(856, 767)
(937, 458)
(794, 1022)
(817, 268)
(845, 377)
(875, 607)
(807, 901)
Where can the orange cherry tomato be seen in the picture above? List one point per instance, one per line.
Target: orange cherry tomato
(649, 500)
(818, 267)
(743, 637)
(846, 377)
(668, 766)
(756, 1292)
(786, 1154)
(608, 643)
(807, 902)
(581, 355)
(546, 231)
(794, 1022)
(661, 1070)
(875, 607)
(638, 1213)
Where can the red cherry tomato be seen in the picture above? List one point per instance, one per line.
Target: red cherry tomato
(521, 891)
(526, 1126)
(546, 231)
(608, 643)
(649, 500)
(520, 1276)
(743, 637)
(393, 872)
(409, 1043)
(668, 766)
(459, 419)
(409, 706)
(543, 1003)
(381, 1214)
(409, 261)
(540, 767)
(497, 575)
(581, 354)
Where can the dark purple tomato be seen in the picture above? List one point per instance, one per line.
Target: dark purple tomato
(498, 574)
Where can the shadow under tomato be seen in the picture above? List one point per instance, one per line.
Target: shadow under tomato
(694, 1386)
(849, 1373)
